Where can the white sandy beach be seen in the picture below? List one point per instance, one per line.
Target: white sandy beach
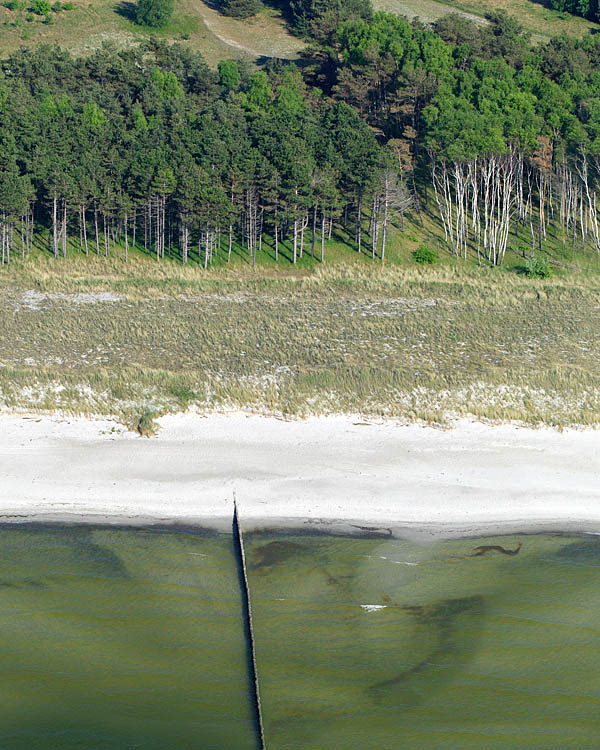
(325, 473)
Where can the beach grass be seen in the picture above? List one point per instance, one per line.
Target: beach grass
(94, 335)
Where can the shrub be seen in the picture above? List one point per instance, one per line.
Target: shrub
(146, 425)
(241, 8)
(68, 6)
(41, 7)
(229, 74)
(537, 268)
(154, 13)
(424, 254)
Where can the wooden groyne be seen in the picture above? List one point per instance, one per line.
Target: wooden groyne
(238, 541)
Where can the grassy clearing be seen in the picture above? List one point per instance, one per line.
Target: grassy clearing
(95, 336)
(541, 21)
(89, 25)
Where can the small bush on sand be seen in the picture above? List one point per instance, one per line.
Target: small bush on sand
(146, 425)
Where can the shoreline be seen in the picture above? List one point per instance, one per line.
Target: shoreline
(321, 475)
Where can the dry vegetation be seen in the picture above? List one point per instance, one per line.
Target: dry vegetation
(96, 336)
(536, 17)
(89, 25)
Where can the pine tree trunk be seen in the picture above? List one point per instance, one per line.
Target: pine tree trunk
(126, 241)
(64, 229)
(85, 241)
(295, 240)
(385, 228)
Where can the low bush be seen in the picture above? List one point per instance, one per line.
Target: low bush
(424, 255)
(41, 7)
(537, 268)
(146, 425)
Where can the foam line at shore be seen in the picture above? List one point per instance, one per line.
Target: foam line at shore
(326, 474)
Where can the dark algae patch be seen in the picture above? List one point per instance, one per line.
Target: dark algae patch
(274, 553)
(450, 652)
(584, 552)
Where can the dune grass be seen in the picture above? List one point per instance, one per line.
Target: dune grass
(98, 336)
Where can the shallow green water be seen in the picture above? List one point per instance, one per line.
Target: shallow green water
(117, 638)
(120, 639)
(486, 652)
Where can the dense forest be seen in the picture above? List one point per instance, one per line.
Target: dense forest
(584, 8)
(149, 147)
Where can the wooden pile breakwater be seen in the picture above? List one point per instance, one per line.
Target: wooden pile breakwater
(238, 541)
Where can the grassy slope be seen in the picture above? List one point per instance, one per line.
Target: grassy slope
(351, 336)
(541, 21)
(195, 23)
(89, 25)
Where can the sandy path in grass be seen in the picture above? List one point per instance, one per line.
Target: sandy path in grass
(268, 38)
(327, 472)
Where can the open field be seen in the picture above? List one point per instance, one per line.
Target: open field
(536, 18)
(88, 26)
(96, 336)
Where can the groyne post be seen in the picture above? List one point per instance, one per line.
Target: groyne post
(238, 541)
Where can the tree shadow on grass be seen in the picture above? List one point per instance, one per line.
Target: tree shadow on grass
(127, 10)
(214, 5)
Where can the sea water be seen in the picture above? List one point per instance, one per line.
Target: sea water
(115, 638)
(391, 644)
(123, 638)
